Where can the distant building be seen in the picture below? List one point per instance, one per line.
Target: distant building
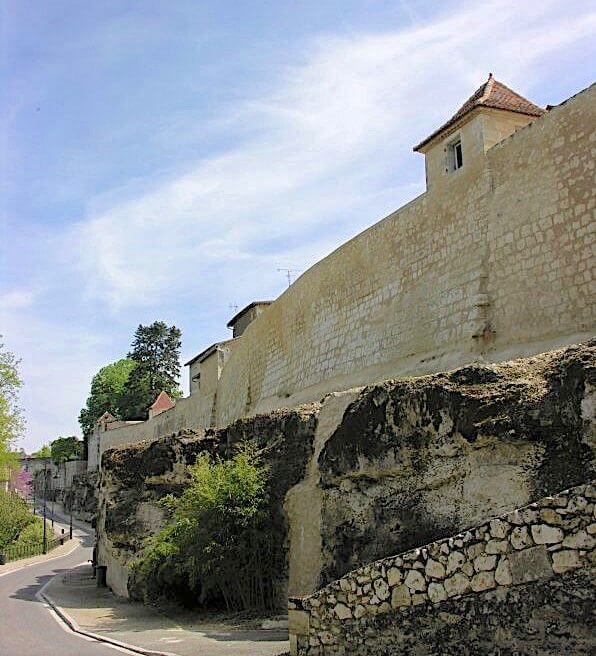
(206, 367)
(162, 403)
(241, 320)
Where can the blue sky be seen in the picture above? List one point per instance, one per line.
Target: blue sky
(162, 159)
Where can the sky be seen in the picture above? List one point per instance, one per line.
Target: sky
(162, 160)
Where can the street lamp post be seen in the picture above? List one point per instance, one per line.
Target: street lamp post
(45, 489)
(70, 527)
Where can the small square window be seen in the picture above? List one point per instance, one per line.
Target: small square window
(456, 156)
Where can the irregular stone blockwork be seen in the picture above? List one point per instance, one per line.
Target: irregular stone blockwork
(418, 459)
(406, 604)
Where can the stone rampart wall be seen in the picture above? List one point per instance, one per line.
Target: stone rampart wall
(554, 536)
(494, 264)
(186, 414)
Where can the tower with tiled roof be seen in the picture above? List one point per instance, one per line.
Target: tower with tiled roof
(490, 115)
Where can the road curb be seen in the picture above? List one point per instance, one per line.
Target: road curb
(72, 624)
(42, 560)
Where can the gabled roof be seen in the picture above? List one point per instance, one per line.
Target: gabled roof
(493, 94)
(244, 310)
(163, 402)
(106, 417)
(203, 355)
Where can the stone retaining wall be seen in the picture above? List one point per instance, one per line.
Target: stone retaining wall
(552, 537)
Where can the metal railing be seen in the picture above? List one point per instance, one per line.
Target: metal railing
(19, 551)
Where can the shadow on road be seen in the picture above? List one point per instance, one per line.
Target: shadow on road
(28, 592)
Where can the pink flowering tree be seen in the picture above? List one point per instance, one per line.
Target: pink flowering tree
(22, 483)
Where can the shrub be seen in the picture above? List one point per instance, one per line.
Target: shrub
(14, 517)
(217, 545)
(31, 535)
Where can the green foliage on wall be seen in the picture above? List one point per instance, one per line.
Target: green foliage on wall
(217, 545)
(63, 449)
(43, 452)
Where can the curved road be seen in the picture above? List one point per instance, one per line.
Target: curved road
(27, 626)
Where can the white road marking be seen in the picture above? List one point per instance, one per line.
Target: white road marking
(47, 560)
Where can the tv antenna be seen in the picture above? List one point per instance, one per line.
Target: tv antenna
(289, 273)
(233, 307)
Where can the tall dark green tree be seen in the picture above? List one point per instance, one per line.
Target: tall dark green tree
(156, 353)
(107, 389)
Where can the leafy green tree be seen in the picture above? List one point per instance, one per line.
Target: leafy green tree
(218, 545)
(43, 452)
(11, 420)
(66, 448)
(107, 389)
(156, 353)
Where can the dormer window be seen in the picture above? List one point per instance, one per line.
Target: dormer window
(455, 154)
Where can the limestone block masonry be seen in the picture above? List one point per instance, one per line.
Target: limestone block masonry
(374, 609)
(495, 263)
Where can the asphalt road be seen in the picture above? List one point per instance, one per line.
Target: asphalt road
(27, 626)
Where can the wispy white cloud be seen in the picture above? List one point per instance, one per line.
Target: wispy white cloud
(16, 299)
(355, 105)
(320, 153)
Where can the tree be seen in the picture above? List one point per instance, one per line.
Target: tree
(22, 483)
(107, 389)
(156, 352)
(43, 452)
(66, 448)
(11, 420)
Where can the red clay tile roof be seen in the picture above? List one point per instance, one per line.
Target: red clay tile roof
(492, 94)
(163, 402)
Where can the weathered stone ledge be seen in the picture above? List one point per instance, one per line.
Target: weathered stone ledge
(553, 536)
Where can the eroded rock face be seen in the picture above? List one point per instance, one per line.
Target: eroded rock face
(81, 498)
(416, 460)
(135, 478)
(401, 464)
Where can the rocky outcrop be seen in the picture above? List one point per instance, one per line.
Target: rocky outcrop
(419, 459)
(81, 497)
(135, 478)
(376, 471)
(419, 601)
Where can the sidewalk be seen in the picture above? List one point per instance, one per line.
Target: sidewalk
(61, 522)
(96, 610)
(62, 550)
